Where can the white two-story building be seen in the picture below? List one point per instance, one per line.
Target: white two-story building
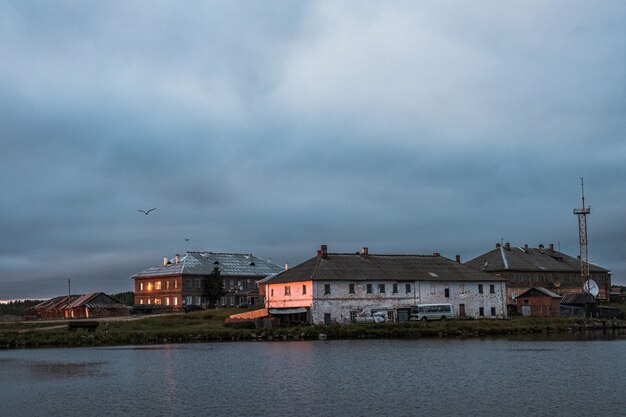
(338, 287)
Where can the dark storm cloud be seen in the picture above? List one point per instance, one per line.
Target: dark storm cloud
(272, 128)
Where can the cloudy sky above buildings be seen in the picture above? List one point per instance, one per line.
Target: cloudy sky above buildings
(273, 127)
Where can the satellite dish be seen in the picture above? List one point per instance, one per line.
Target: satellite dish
(591, 287)
(556, 281)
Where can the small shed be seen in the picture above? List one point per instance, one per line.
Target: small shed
(96, 305)
(581, 304)
(539, 302)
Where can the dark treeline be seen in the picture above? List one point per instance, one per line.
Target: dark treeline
(17, 308)
(127, 298)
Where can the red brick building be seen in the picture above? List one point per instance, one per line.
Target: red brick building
(524, 268)
(180, 282)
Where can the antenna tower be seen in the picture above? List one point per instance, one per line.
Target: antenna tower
(582, 239)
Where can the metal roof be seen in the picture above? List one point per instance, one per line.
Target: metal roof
(583, 298)
(202, 263)
(356, 267)
(534, 260)
(542, 290)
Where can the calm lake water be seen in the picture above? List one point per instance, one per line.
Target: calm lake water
(322, 378)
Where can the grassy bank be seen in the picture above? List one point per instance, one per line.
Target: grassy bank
(208, 326)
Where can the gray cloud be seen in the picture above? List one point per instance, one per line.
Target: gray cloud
(272, 128)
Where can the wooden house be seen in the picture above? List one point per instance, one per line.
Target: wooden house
(539, 302)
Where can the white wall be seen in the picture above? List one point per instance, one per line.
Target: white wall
(339, 303)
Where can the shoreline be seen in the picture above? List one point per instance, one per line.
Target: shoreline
(208, 326)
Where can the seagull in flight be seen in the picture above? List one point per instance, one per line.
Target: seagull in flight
(146, 212)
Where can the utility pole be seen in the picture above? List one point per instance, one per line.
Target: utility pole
(582, 239)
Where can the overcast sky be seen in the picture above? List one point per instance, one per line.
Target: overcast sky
(273, 127)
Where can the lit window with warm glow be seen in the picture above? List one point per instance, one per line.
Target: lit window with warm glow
(175, 300)
(149, 286)
(175, 283)
(167, 284)
(157, 285)
(149, 301)
(141, 286)
(141, 301)
(167, 301)
(157, 301)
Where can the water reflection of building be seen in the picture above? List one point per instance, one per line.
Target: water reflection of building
(340, 287)
(526, 267)
(181, 282)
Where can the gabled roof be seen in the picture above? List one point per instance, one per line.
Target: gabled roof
(539, 291)
(355, 267)
(96, 300)
(202, 263)
(583, 298)
(533, 260)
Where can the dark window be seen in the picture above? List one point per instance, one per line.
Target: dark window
(353, 316)
(351, 288)
(327, 319)
(492, 289)
(304, 289)
(493, 311)
(287, 290)
(481, 311)
(326, 288)
(381, 288)
(369, 288)
(408, 288)
(395, 288)
(447, 292)
(480, 288)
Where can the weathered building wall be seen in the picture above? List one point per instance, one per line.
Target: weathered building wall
(289, 295)
(341, 304)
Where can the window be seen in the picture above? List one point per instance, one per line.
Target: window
(149, 301)
(480, 288)
(327, 319)
(493, 311)
(167, 284)
(512, 277)
(492, 289)
(141, 301)
(408, 288)
(187, 284)
(157, 285)
(198, 284)
(231, 284)
(304, 289)
(175, 283)
(149, 286)
(326, 289)
(353, 315)
(175, 300)
(447, 292)
(351, 288)
(157, 301)
(141, 286)
(381, 288)
(395, 288)
(287, 290)
(198, 301)
(369, 288)
(272, 292)
(481, 311)
(167, 301)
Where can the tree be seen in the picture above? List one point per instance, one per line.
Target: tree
(214, 289)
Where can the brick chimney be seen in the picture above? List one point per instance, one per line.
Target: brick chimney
(177, 258)
(436, 254)
(526, 248)
(551, 247)
(497, 245)
(507, 246)
(541, 247)
(324, 251)
(458, 258)
(364, 252)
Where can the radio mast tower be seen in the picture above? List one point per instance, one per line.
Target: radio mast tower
(582, 239)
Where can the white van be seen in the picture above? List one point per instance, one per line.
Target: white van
(432, 312)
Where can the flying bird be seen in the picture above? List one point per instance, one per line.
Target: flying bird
(186, 239)
(146, 212)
